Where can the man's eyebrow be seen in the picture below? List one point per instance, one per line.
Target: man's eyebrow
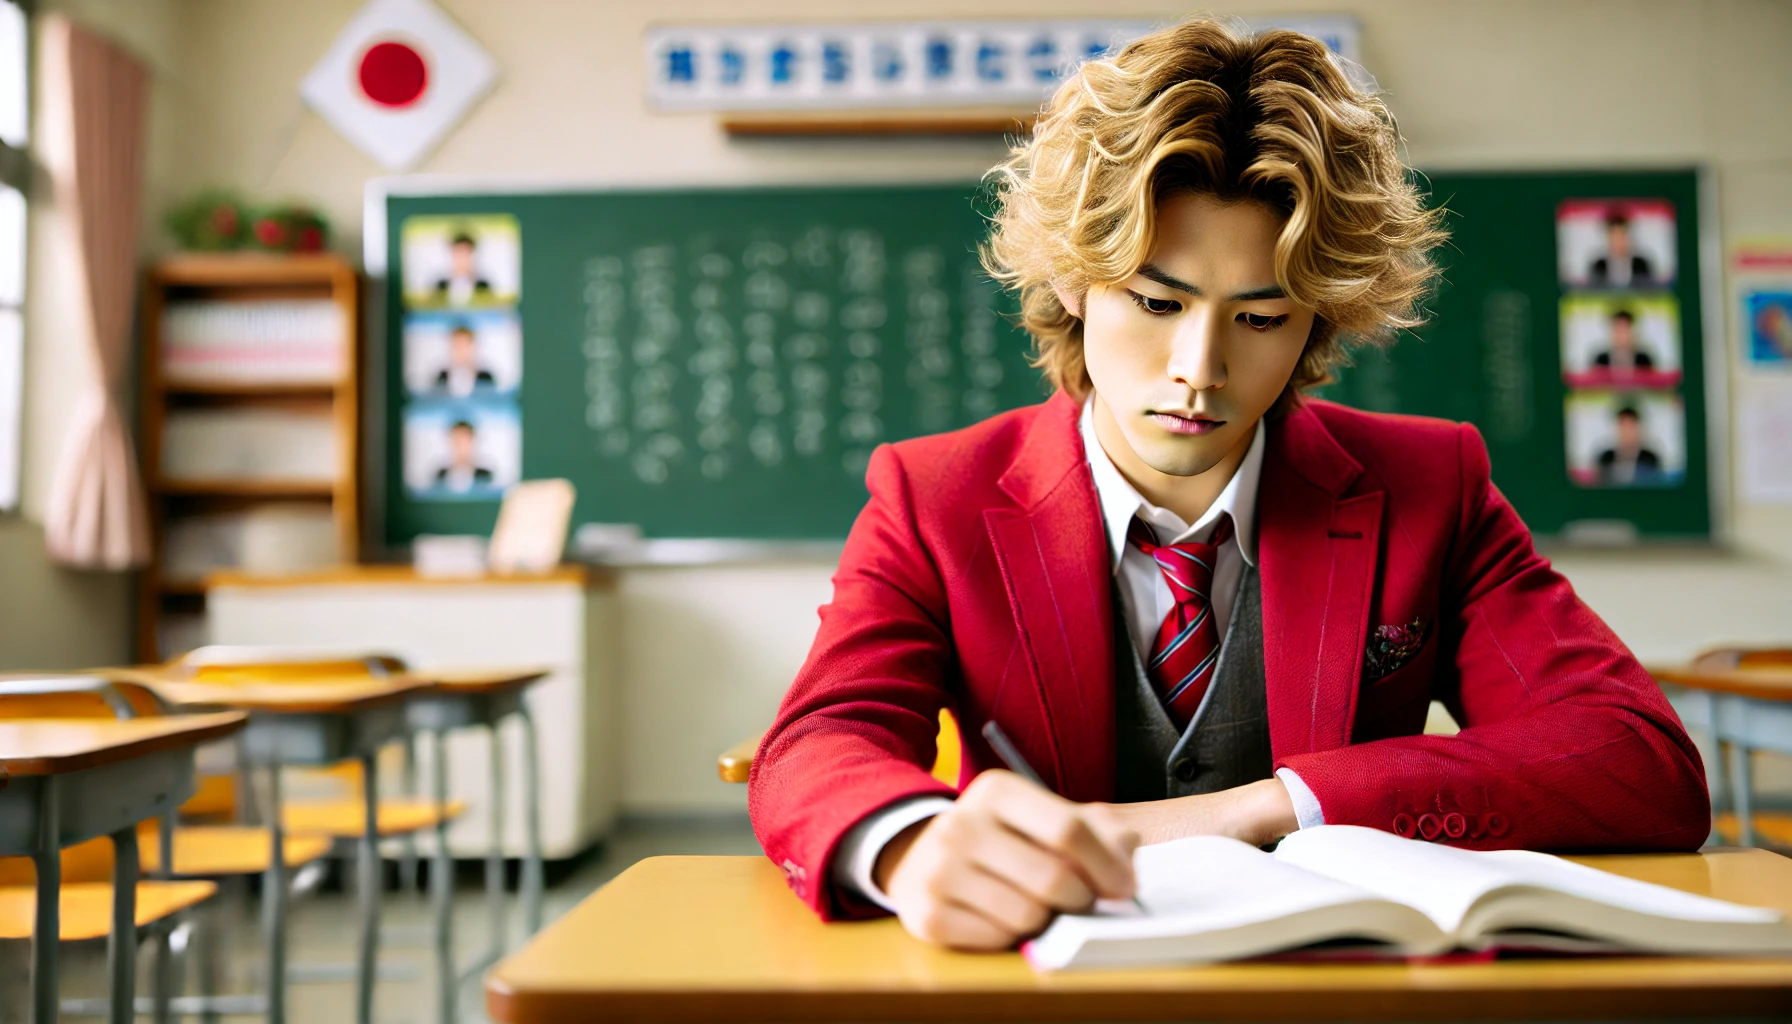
(1155, 273)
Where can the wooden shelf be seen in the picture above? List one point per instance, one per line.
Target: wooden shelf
(272, 390)
(248, 488)
(247, 278)
(968, 121)
(225, 269)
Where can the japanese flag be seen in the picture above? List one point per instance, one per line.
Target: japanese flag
(397, 79)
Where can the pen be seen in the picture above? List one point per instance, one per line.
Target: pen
(1010, 755)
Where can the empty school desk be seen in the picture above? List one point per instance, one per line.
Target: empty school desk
(65, 781)
(565, 619)
(1744, 709)
(300, 723)
(723, 939)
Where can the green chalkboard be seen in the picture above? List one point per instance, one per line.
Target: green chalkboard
(704, 363)
(1512, 327)
(720, 363)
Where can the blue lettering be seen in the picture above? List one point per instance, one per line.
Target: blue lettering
(733, 64)
(681, 65)
(992, 62)
(1042, 56)
(783, 64)
(835, 63)
(939, 58)
(886, 61)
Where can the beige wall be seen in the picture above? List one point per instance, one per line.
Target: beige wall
(1517, 83)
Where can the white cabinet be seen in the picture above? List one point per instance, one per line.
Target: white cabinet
(566, 619)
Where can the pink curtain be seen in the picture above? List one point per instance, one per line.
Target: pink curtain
(95, 97)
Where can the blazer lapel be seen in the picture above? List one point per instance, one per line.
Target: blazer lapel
(1317, 554)
(1054, 564)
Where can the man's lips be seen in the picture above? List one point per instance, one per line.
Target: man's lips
(1190, 423)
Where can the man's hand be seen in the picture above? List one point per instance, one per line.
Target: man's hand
(1008, 856)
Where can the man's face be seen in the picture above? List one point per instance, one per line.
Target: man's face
(1622, 335)
(460, 349)
(1617, 239)
(1630, 433)
(460, 258)
(1190, 352)
(460, 445)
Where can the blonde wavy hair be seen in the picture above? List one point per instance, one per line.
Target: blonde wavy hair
(1199, 107)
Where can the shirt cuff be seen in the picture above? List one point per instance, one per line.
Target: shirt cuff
(1306, 805)
(856, 855)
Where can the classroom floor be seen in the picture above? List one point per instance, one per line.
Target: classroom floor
(323, 930)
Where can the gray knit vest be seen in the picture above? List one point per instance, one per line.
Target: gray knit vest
(1226, 745)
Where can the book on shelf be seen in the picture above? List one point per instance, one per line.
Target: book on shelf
(277, 341)
(1367, 893)
(249, 444)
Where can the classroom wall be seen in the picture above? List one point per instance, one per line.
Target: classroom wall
(1520, 83)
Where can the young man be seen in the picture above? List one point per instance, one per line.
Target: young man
(1196, 602)
(463, 375)
(1624, 358)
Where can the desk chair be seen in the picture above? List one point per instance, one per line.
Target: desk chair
(453, 702)
(84, 899)
(736, 763)
(1737, 787)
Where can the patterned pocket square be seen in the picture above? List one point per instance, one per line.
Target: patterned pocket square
(1391, 647)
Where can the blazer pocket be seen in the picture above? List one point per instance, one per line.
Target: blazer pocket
(1400, 689)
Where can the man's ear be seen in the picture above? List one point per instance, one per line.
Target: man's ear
(1072, 303)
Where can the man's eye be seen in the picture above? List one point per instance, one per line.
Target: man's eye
(1156, 307)
(1263, 321)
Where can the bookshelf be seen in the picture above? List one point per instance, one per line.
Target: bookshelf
(251, 426)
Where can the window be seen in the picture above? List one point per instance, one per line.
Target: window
(15, 172)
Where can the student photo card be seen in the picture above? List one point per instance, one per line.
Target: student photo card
(1620, 340)
(1622, 439)
(461, 451)
(1616, 243)
(1767, 327)
(450, 354)
(460, 261)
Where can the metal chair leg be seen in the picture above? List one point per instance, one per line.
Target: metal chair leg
(46, 932)
(1745, 795)
(407, 862)
(441, 888)
(121, 945)
(162, 977)
(532, 868)
(273, 902)
(369, 895)
(494, 858)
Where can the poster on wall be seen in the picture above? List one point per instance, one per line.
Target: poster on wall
(451, 354)
(1625, 438)
(461, 451)
(461, 262)
(1616, 243)
(1619, 340)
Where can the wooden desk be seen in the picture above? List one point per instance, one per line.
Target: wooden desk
(65, 781)
(723, 939)
(1744, 710)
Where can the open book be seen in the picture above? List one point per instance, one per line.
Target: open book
(1210, 898)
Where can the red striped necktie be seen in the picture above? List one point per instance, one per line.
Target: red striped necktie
(1188, 642)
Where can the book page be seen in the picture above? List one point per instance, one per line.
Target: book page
(1554, 873)
(1441, 882)
(1222, 899)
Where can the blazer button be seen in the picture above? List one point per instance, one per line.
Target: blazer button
(1429, 827)
(1455, 825)
(1185, 769)
(1496, 823)
(1404, 826)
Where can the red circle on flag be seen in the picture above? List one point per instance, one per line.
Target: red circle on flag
(393, 74)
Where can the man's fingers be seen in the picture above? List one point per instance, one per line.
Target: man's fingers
(1063, 828)
(955, 926)
(1042, 874)
(998, 899)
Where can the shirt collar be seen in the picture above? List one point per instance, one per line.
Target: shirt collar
(1120, 501)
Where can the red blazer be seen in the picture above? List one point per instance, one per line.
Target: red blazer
(978, 577)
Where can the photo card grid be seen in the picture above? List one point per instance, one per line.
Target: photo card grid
(462, 355)
(1622, 358)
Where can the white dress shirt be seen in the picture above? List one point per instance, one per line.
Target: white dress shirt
(1145, 602)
